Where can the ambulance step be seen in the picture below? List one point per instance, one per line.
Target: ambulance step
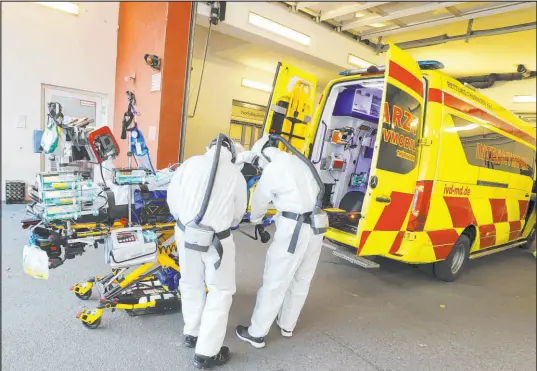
(494, 250)
(345, 253)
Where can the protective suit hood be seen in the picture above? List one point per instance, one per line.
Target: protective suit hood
(225, 154)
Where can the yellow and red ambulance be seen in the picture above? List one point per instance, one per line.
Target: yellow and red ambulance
(417, 167)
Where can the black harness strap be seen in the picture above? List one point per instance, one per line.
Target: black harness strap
(300, 219)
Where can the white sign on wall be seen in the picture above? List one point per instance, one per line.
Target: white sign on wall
(156, 80)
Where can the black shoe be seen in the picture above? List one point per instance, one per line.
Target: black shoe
(190, 341)
(206, 363)
(243, 334)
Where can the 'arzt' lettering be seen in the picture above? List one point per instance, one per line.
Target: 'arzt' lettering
(400, 140)
(397, 117)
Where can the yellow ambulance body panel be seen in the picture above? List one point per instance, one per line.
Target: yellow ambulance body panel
(423, 161)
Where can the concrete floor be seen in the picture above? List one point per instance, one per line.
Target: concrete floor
(393, 318)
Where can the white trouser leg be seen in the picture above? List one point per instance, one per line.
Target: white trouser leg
(298, 290)
(280, 267)
(221, 285)
(192, 285)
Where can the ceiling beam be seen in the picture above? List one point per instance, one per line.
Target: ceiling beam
(303, 4)
(379, 11)
(397, 14)
(497, 9)
(349, 9)
(456, 12)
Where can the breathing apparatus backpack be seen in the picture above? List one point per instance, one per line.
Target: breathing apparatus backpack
(197, 236)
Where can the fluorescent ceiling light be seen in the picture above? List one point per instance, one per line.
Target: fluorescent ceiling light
(454, 129)
(64, 7)
(377, 25)
(358, 62)
(524, 99)
(256, 85)
(358, 15)
(278, 29)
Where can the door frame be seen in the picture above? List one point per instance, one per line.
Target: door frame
(101, 105)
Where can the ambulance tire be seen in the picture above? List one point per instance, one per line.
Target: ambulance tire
(450, 269)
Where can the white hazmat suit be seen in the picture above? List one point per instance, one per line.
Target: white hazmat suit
(289, 184)
(206, 315)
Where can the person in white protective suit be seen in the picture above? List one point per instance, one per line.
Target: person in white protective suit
(206, 314)
(293, 255)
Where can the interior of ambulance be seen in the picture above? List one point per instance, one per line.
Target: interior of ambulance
(344, 146)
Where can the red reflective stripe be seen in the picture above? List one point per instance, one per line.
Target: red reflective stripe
(523, 207)
(499, 210)
(406, 78)
(443, 237)
(443, 242)
(460, 211)
(393, 215)
(487, 235)
(435, 95)
(514, 230)
(396, 245)
(363, 240)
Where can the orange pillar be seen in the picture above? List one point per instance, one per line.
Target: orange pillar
(162, 29)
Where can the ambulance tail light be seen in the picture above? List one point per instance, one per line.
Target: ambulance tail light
(420, 206)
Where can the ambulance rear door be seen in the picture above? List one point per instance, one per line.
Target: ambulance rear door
(394, 169)
(290, 110)
(291, 107)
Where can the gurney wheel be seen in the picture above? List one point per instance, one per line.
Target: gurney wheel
(85, 296)
(93, 325)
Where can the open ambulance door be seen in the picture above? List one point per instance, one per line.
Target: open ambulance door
(394, 169)
(290, 109)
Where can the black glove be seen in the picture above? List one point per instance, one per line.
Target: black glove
(263, 235)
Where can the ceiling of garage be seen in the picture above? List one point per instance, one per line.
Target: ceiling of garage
(399, 22)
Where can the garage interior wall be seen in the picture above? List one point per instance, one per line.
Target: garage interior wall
(221, 84)
(45, 46)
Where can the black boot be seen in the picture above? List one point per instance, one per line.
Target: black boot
(243, 334)
(206, 363)
(190, 341)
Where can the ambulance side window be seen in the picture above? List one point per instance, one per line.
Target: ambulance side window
(401, 129)
(470, 134)
(487, 148)
(527, 157)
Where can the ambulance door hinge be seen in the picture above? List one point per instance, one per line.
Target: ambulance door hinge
(424, 142)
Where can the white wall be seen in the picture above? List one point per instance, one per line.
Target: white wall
(42, 45)
(221, 84)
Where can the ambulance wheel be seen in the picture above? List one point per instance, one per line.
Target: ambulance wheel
(85, 296)
(449, 269)
(94, 325)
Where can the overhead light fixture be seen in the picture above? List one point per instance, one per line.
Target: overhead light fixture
(524, 99)
(358, 62)
(64, 7)
(455, 129)
(256, 85)
(358, 15)
(278, 29)
(378, 25)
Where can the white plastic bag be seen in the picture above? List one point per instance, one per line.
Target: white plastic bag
(35, 262)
